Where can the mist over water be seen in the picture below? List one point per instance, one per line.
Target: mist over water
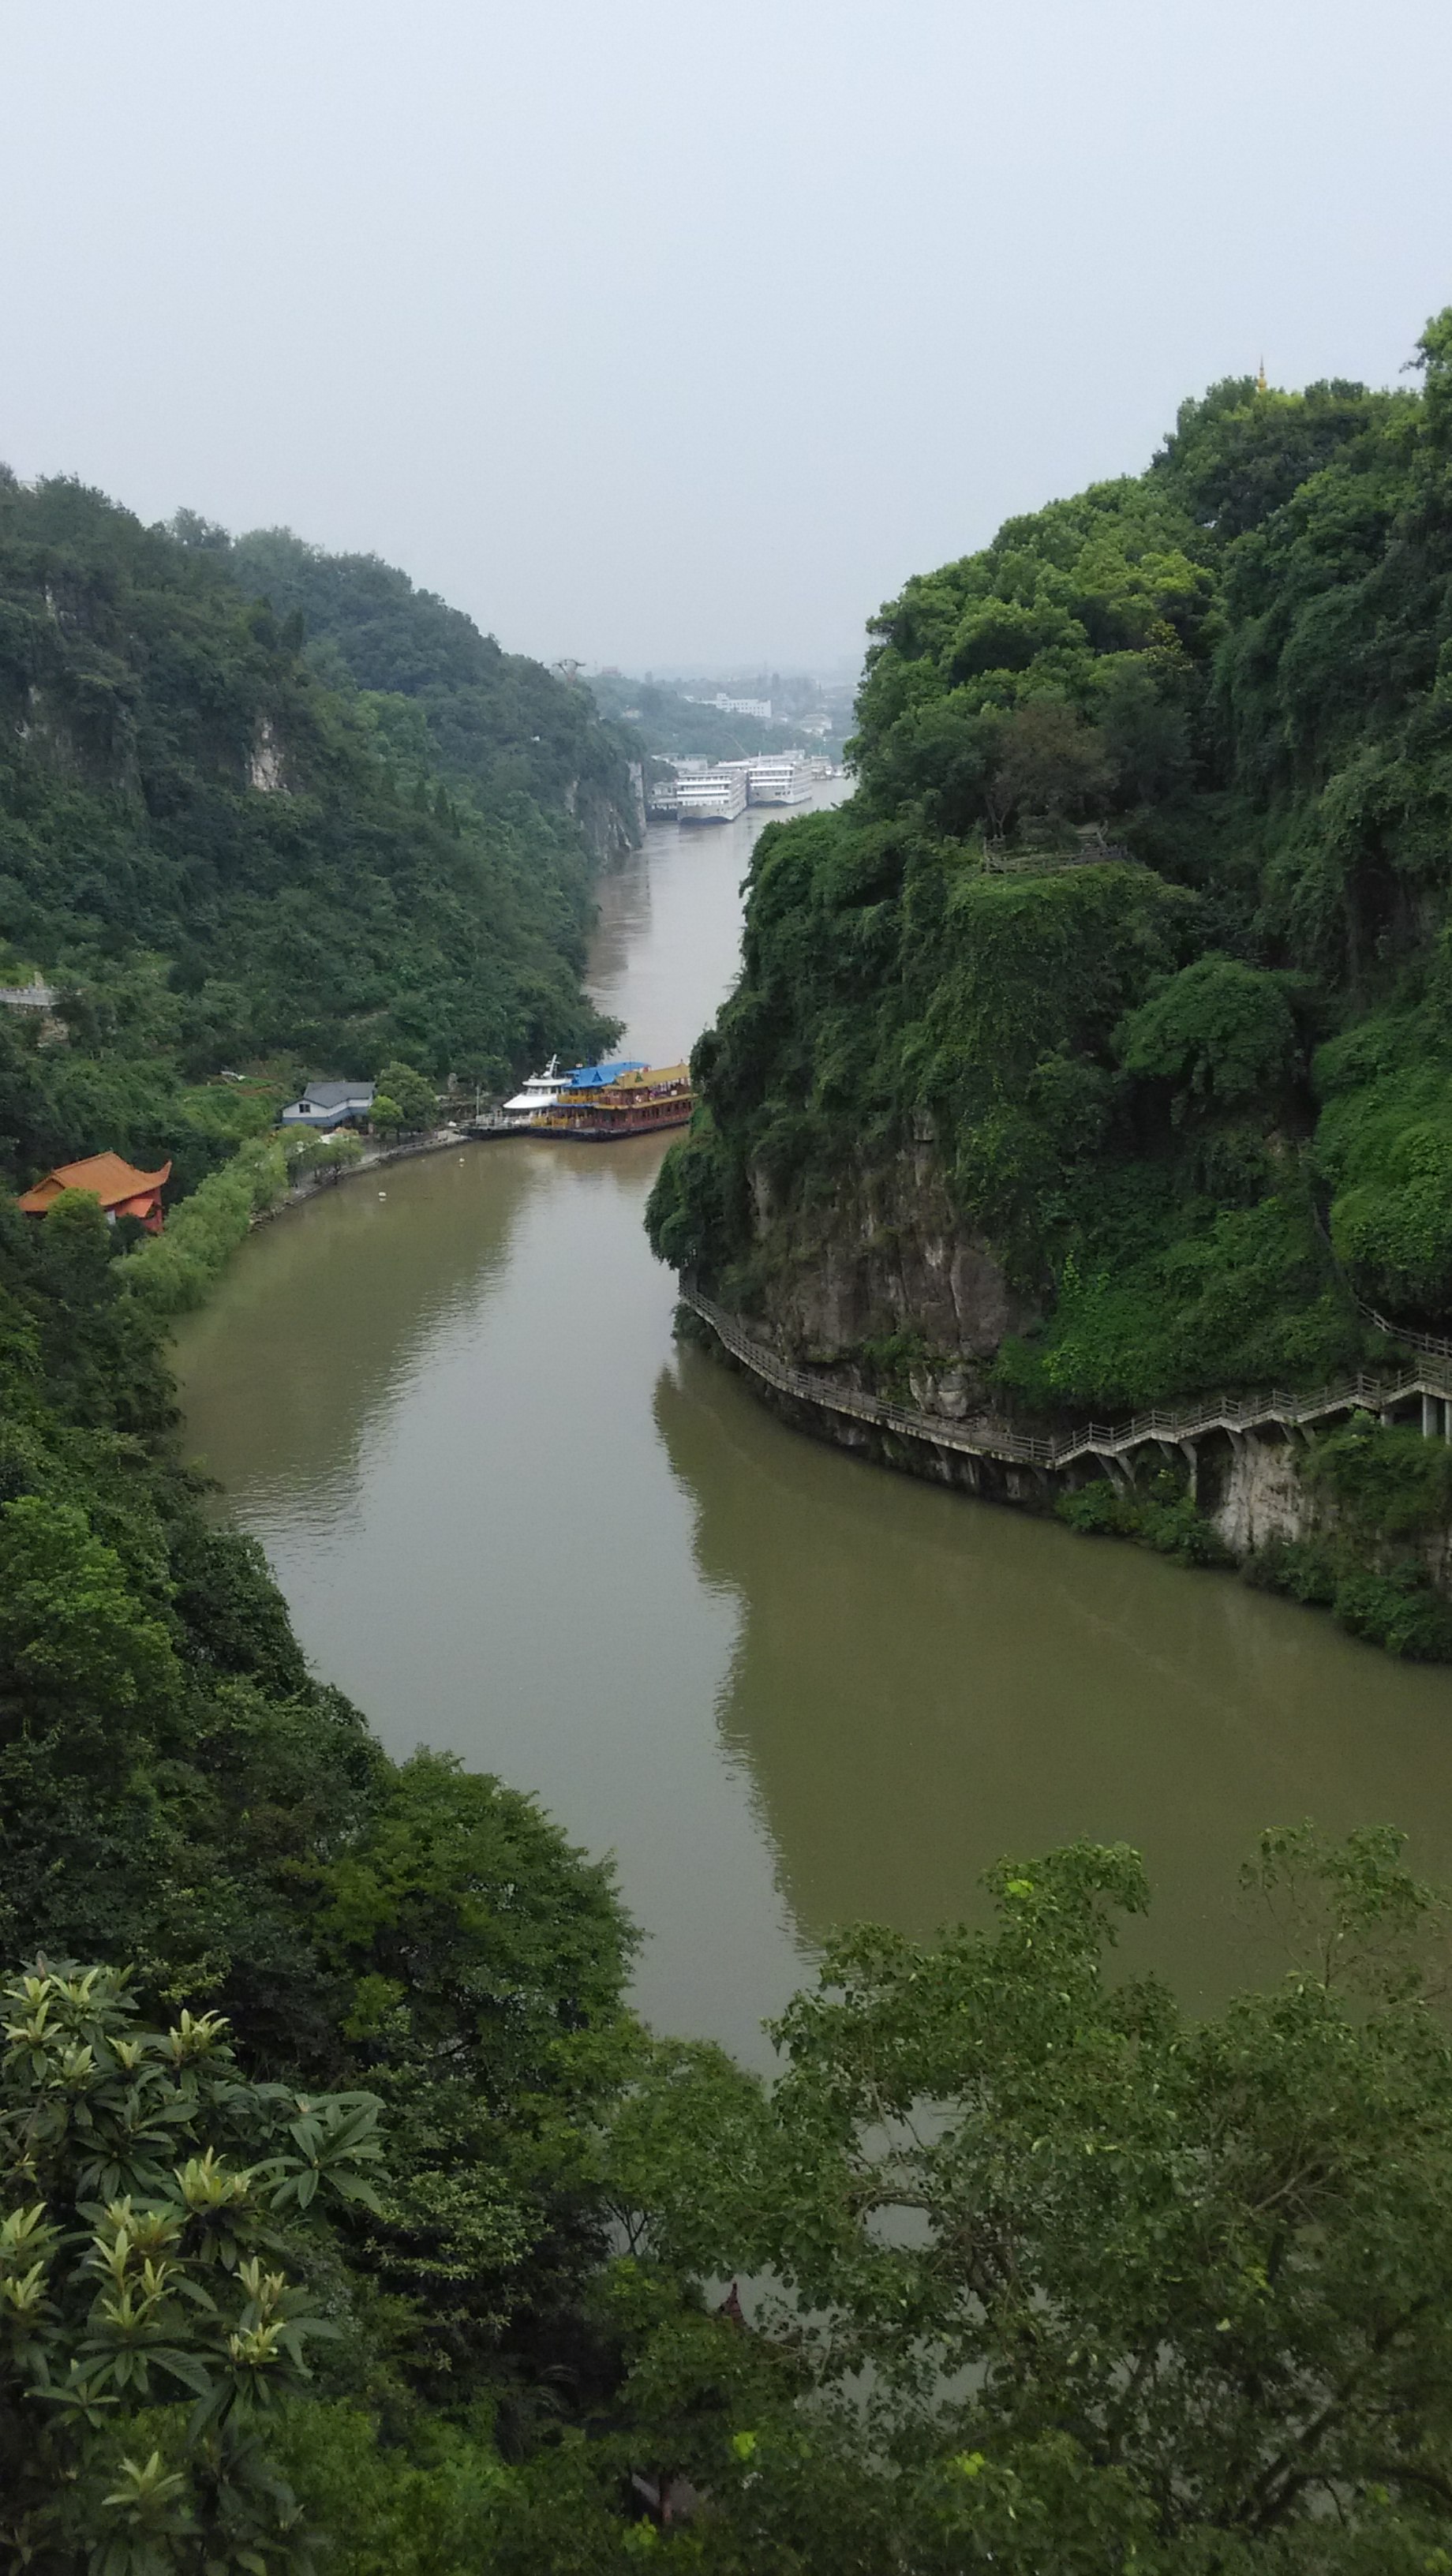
(512, 1519)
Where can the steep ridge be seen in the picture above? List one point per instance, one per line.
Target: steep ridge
(1099, 1053)
(497, 724)
(220, 859)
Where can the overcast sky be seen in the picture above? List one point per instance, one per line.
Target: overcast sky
(671, 332)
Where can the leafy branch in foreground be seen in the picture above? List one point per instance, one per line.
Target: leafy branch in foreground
(151, 2196)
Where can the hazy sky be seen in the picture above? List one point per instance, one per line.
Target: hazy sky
(663, 332)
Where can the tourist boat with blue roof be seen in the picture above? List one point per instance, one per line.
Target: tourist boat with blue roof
(597, 1104)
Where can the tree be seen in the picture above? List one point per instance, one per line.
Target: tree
(480, 1961)
(77, 1650)
(1067, 2280)
(1220, 1033)
(386, 1114)
(417, 1100)
(335, 1154)
(1049, 762)
(151, 2199)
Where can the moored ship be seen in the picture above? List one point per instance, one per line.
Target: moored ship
(542, 1091)
(714, 795)
(637, 1101)
(779, 778)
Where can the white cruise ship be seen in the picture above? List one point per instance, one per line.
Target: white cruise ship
(717, 796)
(779, 778)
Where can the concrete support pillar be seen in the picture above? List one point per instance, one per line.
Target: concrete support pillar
(1447, 1417)
(1429, 1417)
(1192, 1460)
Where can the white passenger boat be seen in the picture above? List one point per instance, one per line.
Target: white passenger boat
(541, 1091)
(779, 778)
(716, 796)
(544, 1091)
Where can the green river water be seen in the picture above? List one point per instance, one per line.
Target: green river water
(785, 1689)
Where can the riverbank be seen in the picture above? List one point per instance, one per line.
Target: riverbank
(1329, 1496)
(317, 1184)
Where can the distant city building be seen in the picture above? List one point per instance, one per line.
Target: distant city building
(759, 707)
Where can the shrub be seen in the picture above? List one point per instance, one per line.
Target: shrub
(1163, 1517)
(175, 1269)
(1387, 1481)
(1095, 1510)
(151, 2198)
(1306, 1569)
(1399, 1611)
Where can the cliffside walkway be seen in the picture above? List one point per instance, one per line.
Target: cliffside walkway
(1109, 1442)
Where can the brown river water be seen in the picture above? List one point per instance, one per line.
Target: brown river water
(784, 1689)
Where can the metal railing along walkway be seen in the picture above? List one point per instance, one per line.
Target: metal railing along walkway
(1435, 1345)
(1055, 863)
(983, 1437)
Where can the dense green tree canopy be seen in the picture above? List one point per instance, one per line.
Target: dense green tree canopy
(221, 855)
(494, 724)
(1051, 2277)
(1236, 667)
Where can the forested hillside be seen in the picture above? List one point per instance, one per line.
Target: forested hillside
(1160, 1118)
(496, 724)
(220, 859)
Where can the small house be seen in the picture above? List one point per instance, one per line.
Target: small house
(121, 1189)
(326, 1105)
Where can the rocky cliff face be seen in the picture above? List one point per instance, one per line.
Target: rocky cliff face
(1252, 1493)
(611, 818)
(890, 1258)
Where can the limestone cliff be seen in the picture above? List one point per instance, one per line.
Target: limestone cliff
(889, 1261)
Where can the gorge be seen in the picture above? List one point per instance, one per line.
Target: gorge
(1054, 1077)
(516, 1519)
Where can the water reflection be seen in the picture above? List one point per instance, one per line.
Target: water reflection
(321, 1327)
(922, 1683)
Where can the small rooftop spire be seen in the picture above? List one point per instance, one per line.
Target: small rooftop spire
(1260, 382)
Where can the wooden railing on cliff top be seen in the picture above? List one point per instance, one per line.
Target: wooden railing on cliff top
(983, 1437)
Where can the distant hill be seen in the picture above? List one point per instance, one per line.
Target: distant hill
(674, 725)
(497, 721)
(223, 858)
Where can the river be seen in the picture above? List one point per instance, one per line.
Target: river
(783, 1688)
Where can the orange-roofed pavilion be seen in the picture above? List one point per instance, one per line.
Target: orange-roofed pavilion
(121, 1189)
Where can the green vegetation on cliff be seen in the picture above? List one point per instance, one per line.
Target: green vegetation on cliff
(1197, 1093)
(496, 725)
(220, 858)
